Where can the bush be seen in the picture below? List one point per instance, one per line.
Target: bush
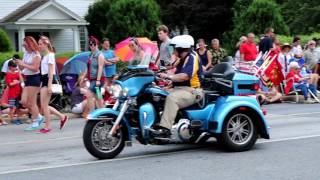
(5, 43)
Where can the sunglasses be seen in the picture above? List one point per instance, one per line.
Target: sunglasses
(92, 44)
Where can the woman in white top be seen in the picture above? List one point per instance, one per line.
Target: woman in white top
(284, 58)
(30, 66)
(48, 66)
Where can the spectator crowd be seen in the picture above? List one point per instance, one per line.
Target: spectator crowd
(31, 80)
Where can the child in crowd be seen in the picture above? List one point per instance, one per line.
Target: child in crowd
(80, 101)
(13, 81)
(267, 92)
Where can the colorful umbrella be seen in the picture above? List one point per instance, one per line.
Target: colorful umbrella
(76, 64)
(123, 51)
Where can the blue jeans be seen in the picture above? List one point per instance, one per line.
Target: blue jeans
(304, 89)
(313, 89)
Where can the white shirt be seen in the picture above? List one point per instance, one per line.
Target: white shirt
(5, 66)
(296, 50)
(282, 61)
(46, 60)
(28, 59)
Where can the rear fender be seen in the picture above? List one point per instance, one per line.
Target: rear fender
(223, 110)
(97, 114)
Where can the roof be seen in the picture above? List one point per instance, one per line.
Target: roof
(23, 10)
(32, 6)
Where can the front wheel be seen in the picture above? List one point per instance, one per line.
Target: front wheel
(98, 142)
(239, 132)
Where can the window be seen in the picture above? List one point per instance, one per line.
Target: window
(83, 34)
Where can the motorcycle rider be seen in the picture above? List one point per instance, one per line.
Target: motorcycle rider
(186, 83)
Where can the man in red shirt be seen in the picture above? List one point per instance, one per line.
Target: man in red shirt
(248, 50)
(13, 81)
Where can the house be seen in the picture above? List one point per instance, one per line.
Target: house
(61, 20)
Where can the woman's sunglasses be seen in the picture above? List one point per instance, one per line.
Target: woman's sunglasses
(92, 44)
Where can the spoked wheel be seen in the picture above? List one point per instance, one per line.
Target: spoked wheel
(239, 132)
(98, 142)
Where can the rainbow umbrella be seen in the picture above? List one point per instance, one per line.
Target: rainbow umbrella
(123, 51)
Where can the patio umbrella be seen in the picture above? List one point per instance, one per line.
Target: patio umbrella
(76, 64)
(123, 51)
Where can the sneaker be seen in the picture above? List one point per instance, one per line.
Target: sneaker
(34, 126)
(63, 121)
(40, 119)
(43, 131)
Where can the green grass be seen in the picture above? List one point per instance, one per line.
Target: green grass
(304, 38)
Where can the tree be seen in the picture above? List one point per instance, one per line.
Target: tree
(204, 18)
(123, 18)
(5, 43)
(259, 15)
(98, 18)
(302, 16)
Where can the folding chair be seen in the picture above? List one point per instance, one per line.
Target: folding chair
(293, 90)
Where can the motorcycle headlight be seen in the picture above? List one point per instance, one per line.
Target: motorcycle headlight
(116, 90)
(125, 92)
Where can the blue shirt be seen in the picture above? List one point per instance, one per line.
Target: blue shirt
(110, 70)
(193, 68)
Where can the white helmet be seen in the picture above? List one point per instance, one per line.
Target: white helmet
(182, 41)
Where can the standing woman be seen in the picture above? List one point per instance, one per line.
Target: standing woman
(95, 72)
(205, 55)
(48, 66)
(30, 66)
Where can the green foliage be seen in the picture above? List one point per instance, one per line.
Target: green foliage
(7, 55)
(260, 15)
(120, 19)
(304, 38)
(5, 43)
(255, 17)
(66, 54)
(302, 16)
(98, 17)
(206, 19)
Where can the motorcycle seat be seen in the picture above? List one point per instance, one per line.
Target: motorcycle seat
(223, 70)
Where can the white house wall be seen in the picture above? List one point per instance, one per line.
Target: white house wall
(62, 40)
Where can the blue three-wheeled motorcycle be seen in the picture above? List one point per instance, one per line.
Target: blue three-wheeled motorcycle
(226, 112)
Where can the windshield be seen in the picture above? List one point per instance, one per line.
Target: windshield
(142, 60)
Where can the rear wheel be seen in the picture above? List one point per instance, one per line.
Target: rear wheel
(98, 142)
(239, 132)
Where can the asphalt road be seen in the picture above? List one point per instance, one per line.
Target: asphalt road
(292, 153)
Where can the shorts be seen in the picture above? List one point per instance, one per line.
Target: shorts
(14, 102)
(33, 80)
(45, 80)
(77, 109)
(110, 70)
(93, 86)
